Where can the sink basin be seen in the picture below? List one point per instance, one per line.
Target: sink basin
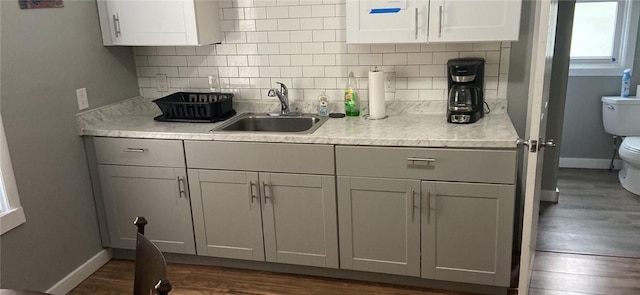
(252, 122)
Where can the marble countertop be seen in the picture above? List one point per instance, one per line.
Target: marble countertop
(495, 130)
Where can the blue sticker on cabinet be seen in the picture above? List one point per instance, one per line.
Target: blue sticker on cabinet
(384, 10)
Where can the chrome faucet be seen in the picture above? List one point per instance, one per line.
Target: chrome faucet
(283, 96)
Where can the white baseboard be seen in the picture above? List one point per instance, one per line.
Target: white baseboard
(586, 163)
(83, 271)
(550, 195)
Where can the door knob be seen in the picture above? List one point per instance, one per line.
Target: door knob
(548, 143)
(531, 144)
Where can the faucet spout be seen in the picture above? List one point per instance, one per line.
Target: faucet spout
(283, 96)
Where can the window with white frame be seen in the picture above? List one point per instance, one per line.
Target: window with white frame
(604, 37)
(11, 213)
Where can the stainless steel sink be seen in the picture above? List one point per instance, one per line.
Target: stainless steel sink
(253, 122)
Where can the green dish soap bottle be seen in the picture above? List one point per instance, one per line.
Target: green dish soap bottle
(351, 99)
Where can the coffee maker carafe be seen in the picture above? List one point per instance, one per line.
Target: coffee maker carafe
(466, 84)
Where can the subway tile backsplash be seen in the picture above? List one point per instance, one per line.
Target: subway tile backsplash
(302, 44)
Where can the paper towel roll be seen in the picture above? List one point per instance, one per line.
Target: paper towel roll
(376, 95)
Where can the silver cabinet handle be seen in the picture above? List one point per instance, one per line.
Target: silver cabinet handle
(251, 194)
(428, 160)
(413, 204)
(266, 196)
(428, 207)
(416, 22)
(180, 186)
(440, 21)
(134, 150)
(116, 25)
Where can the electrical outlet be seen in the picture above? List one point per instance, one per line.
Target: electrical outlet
(389, 82)
(163, 84)
(213, 83)
(83, 100)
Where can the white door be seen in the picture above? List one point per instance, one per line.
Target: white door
(387, 21)
(473, 20)
(539, 82)
(151, 22)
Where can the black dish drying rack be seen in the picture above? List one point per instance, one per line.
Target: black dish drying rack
(196, 107)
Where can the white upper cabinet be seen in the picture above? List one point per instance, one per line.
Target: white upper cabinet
(158, 23)
(465, 20)
(382, 21)
(420, 21)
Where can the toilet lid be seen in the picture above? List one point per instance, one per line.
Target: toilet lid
(632, 144)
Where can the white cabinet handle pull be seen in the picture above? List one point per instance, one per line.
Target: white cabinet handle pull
(252, 195)
(428, 160)
(180, 186)
(116, 25)
(428, 207)
(416, 22)
(134, 150)
(413, 204)
(440, 22)
(266, 196)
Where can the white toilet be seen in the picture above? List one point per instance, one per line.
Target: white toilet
(621, 116)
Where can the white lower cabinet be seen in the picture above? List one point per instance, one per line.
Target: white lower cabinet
(446, 231)
(299, 219)
(144, 177)
(157, 193)
(227, 214)
(274, 217)
(379, 225)
(441, 214)
(393, 220)
(467, 232)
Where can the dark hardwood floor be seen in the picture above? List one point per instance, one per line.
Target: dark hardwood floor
(116, 277)
(595, 215)
(554, 274)
(573, 274)
(588, 243)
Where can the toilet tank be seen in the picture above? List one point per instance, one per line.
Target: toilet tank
(621, 116)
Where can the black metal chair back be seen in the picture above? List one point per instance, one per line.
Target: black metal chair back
(151, 267)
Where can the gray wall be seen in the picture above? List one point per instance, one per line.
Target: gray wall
(583, 133)
(46, 54)
(519, 67)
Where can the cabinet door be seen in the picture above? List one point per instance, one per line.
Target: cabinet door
(158, 194)
(467, 232)
(379, 225)
(299, 217)
(473, 20)
(226, 214)
(150, 22)
(385, 21)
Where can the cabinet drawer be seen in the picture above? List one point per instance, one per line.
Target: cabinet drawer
(139, 152)
(490, 166)
(268, 157)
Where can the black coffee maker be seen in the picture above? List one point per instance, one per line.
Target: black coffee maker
(466, 84)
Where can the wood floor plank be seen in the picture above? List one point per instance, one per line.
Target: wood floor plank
(588, 265)
(533, 291)
(594, 215)
(584, 283)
